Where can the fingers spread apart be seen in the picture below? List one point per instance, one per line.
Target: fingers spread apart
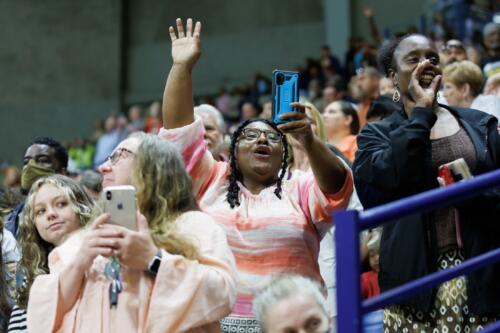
(189, 29)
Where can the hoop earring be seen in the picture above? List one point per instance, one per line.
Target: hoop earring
(396, 96)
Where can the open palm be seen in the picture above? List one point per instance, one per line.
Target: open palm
(186, 46)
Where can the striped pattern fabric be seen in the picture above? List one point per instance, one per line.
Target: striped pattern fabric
(268, 236)
(17, 322)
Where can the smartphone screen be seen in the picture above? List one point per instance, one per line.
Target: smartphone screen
(119, 201)
(285, 91)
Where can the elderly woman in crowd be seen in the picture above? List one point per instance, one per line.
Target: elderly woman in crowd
(292, 303)
(463, 83)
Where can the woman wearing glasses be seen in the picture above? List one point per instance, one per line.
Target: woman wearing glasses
(273, 224)
(175, 273)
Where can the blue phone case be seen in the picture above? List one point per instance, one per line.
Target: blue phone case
(285, 91)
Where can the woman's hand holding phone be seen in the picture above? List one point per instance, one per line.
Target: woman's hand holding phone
(136, 248)
(297, 124)
(100, 239)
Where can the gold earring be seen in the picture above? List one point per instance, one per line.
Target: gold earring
(396, 96)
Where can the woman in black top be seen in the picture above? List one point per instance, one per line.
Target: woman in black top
(400, 156)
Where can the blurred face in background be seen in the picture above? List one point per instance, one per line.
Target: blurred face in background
(491, 37)
(452, 93)
(454, 51)
(373, 258)
(248, 111)
(335, 120)
(110, 124)
(267, 111)
(134, 112)
(213, 134)
(297, 314)
(386, 87)
(367, 85)
(492, 86)
(329, 95)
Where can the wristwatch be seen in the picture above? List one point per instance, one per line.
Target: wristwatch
(154, 264)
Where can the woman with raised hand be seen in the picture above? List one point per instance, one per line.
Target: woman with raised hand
(55, 207)
(399, 157)
(175, 272)
(273, 224)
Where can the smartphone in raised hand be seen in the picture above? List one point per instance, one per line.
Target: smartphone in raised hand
(285, 91)
(119, 201)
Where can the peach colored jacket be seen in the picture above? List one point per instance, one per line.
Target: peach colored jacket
(185, 296)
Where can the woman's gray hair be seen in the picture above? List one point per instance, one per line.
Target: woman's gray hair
(284, 287)
(209, 109)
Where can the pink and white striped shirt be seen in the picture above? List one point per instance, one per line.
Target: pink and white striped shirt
(268, 236)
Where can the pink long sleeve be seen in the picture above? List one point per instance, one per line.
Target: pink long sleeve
(199, 293)
(201, 166)
(185, 296)
(316, 205)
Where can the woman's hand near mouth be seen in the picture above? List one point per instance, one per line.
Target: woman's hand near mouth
(424, 96)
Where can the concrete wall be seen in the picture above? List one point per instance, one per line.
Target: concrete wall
(393, 15)
(59, 69)
(238, 39)
(63, 65)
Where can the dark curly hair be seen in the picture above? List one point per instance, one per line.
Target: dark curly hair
(386, 53)
(233, 190)
(61, 154)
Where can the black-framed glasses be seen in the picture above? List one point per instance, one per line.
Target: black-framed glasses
(252, 134)
(117, 154)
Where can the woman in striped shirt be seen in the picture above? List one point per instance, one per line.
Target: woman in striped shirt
(274, 225)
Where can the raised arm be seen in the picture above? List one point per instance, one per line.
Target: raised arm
(368, 12)
(178, 96)
(329, 172)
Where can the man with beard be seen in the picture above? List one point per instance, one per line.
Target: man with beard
(367, 84)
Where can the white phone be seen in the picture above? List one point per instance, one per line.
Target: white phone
(119, 201)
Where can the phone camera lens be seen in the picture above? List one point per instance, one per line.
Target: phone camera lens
(108, 195)
(280, 78)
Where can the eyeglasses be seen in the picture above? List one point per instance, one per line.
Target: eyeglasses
(117, 154)
(252, 134)
(453, 45)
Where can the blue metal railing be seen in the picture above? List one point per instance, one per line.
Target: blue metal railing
(350, 223)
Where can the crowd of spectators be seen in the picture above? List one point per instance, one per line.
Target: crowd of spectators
(371, 128)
